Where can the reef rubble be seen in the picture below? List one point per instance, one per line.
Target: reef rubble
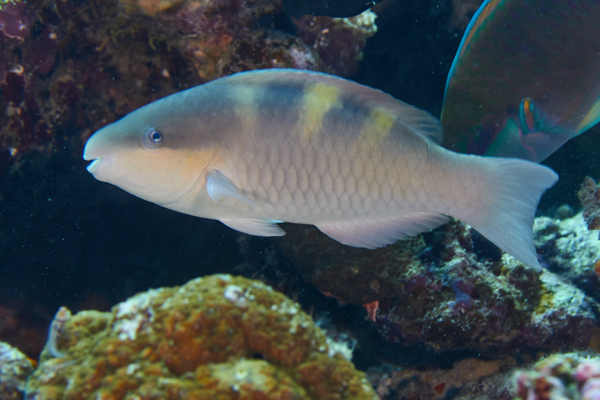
(451, 290)
(564, 376)
(559, 376)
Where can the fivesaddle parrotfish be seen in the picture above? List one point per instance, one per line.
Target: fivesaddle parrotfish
(258, 148)
(526, 78)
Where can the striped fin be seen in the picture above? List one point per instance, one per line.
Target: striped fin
(418, 121)
(591, 118)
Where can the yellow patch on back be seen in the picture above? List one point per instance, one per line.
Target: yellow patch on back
(377, 127)
(318, 99)
(246, 107)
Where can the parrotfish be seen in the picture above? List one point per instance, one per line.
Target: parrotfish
(526, 78)
(258, 148)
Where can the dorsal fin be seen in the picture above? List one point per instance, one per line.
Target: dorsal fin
(419, 121)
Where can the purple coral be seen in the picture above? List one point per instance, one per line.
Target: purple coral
(15, 19)
(587, 369)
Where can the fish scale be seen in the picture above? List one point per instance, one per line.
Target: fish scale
(258, 148)
(348, 180)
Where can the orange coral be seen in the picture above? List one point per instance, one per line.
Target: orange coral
(217, 337)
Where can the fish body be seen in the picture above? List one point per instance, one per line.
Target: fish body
(525, 78)
(258, 148)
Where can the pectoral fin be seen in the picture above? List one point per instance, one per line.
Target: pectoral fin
(378, 232)
(220, 188)
(541, 136)
(533, 137)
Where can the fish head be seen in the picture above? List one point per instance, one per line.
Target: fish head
(154, 156)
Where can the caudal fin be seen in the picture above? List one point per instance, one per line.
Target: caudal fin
(516, 187)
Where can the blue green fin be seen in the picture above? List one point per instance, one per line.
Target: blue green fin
(533, 137)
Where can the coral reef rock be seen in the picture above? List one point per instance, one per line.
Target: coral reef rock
(555, 377)
(15, 367)
(70, 67)
(449, 289)
(567, 248)
(470, 378)
(589, 196)
(214, 337)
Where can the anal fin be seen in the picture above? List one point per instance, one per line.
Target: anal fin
(379, 232)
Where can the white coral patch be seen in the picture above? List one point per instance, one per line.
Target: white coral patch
(127, 329)
(364, 22)
(235, 294)
(344, 347)
(571, 243)
(133, 313)
(137, 303)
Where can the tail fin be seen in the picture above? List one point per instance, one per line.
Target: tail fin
(516, 187)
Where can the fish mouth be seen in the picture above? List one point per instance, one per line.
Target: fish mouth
(93, 156)
(94, 165)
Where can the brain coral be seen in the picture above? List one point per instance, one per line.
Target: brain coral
(218, 337)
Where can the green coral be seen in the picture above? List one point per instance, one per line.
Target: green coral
(216, 337)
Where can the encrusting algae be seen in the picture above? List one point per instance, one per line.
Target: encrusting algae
(218, 337)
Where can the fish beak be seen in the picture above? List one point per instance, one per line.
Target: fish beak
(89, 156)
(93, 167)
(96, 152)
(99, 166)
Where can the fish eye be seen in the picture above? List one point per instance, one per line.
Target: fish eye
(153, 138)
